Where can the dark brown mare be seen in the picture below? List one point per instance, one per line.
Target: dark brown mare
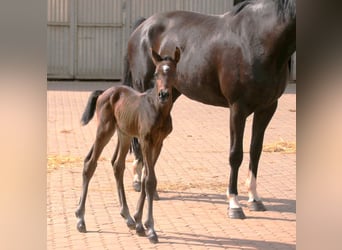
(236, 60)
(132, 114)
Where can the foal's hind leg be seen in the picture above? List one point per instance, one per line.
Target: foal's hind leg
(119, 169)
(104, 133)
(260, 121)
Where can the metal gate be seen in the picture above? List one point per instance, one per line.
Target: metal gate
(86, 39)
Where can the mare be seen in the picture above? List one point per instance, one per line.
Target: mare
(236, 60)
(132, 114)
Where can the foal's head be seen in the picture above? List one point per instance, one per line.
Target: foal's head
(165, 74)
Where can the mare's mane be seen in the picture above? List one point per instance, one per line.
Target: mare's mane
(240, 6)
(285, 8)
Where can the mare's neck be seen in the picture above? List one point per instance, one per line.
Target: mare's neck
(283, 44)
(270, 27)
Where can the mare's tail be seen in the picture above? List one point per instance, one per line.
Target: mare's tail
(127, 76)
(91, 106)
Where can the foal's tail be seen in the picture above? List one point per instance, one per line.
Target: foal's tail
(127, 75)
(89, 111)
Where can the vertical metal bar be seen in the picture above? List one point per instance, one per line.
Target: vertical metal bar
(73, 37)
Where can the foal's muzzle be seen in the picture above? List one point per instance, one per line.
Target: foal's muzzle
(163, 95)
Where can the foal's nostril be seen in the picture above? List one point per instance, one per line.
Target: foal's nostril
(163, 94)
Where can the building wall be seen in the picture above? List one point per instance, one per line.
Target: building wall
(86, 39)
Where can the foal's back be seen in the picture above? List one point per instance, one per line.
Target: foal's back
(133, 112)
(120, 104)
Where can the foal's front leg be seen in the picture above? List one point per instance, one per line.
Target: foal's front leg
(149, 184)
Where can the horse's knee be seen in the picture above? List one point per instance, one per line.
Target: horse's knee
(151, 183)
(235, 158)
(88, 170)
(118, 170)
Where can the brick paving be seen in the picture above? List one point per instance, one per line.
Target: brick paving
(192, 176)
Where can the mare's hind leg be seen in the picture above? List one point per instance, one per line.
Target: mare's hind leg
(119, 169)
(237, 125)
(260, 121)
(104, 133)
(137, 165)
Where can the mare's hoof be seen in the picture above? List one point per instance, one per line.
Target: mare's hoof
(152, 236)
(81, 227)
(140, 230)
(256, 206)
(156, 196)
(236, 213)
(137, 186)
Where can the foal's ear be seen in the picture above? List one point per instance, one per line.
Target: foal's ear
(155, 57)
(177, 55)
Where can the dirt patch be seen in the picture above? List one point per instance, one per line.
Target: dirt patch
(280, 146)
(218, 187)
(55, 162)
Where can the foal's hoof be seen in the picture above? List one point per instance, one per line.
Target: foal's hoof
(130, 223)
(140, 230)
(81, 227)
(236, 213)
(152, 236)
(137, 186)
(256, 206)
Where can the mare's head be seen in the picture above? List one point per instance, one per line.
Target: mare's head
(165, 74)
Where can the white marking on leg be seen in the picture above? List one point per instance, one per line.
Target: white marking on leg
(251, 186)
(143, 173)
(137, 166)
(233, 200)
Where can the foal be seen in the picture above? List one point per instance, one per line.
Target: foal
(145, 116)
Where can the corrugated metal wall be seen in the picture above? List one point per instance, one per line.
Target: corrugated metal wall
(59, 46)
(99, 38)
(87, 38)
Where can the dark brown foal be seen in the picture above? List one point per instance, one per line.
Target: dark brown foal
(145, 116)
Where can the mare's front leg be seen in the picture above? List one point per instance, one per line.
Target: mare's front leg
(150, 153)
(237, 125)
(260, 121)
(118, 163)
(104, 133)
